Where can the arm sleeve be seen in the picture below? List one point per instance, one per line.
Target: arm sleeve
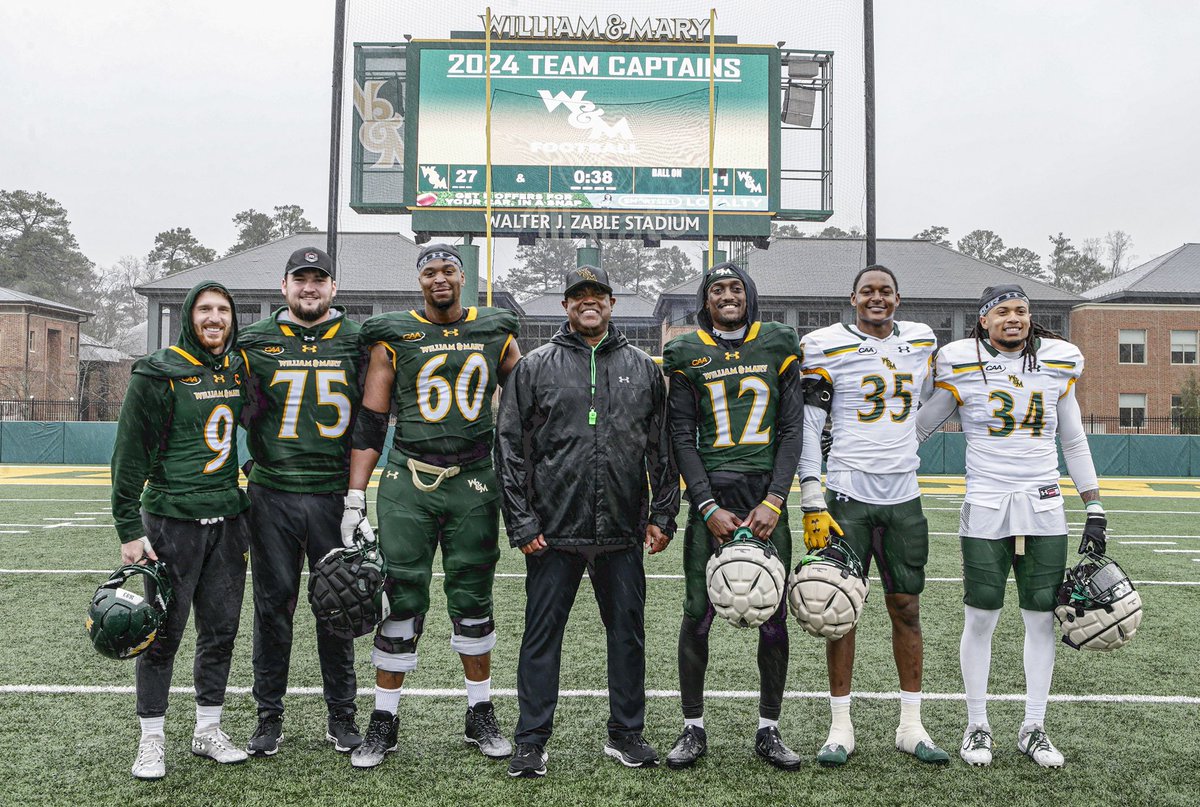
(514, 427)
(933, 412)
(681, 403)
(1075, 449)
(660, 464)
(789, 425)
(810, 457)
(145, 417)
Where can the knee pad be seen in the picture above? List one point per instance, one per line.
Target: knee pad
(396, 644)
(473, 636)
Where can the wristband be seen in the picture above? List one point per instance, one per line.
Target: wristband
(708, 515)
(772, 507)
(1094, 506)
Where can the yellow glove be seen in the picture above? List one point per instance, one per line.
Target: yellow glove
(818, 526)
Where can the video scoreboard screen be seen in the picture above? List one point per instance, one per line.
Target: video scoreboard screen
(592, 128)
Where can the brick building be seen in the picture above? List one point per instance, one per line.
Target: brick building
(39, 351)
(1140, 334)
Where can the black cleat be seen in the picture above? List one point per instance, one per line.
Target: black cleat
(379, 742)
(265, 740)
(691, 745)
(342, 731)
(483, 731)
(632, 751)
(769, 745)
(529, 762)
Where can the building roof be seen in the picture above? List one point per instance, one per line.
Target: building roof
(1175, 273)
(92, 350)
(629, 305)
(13, 296)
(365, 262)
(825, 267)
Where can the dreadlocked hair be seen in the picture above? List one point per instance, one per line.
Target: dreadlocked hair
(1028, 352)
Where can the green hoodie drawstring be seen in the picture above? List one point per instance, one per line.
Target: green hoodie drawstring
(592, 409)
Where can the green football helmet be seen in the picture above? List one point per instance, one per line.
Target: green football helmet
(123, 624)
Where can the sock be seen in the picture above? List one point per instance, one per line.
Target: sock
(975, 658)
(910, 709)
(208, 718)
(478, 691)
(153, 727)
(698, 722)
(767, 723)
(1039, 663)
(841, 730)
(387, 700)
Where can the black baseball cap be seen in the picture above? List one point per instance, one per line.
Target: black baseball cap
(585, 276)
(309, 258)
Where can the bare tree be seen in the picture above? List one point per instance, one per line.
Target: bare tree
(1119, 243)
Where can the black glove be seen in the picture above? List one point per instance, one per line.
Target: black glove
(826, 444)
(1095, 535)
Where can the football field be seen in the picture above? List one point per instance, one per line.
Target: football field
(1128, 722)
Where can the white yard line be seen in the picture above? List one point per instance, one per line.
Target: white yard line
(1148, 543)
(734, 694)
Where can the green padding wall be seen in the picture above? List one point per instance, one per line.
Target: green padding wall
(943, 453)
(32, 442)
(84, 442)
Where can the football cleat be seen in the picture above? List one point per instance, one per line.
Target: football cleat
(833, 755)
(746, 580)
(265, 740)
(632, 751)
(1033, 743)
(151, 761)
(916, 741)
(529, 762)
(483, 731)
(976, 746)
(216, 745)
(342, 731)
(769, 745)
(691, 745)
(828, 589)
(346, 590)
(380, 740)
(1098, 607)
(123, 624)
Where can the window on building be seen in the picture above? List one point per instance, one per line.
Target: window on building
(811, 319)
(1132, 409)
(71, 346)
(942, 322)
(359, 313)
(1132, 349)
(1176, 410)
(773, 315)
(1183, 347)
(32, 341)
(1053, 322)
(247, 315)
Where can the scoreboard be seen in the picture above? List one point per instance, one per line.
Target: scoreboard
(592, 128)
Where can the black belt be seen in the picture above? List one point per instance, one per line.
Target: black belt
(473, 454)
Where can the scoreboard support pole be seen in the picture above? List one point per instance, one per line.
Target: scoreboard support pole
(470, 255)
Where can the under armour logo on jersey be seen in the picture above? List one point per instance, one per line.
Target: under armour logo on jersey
(842, 497)
(218, 379)
(888, 363)
(624, 379)
(1016, 382)
(730, 356)
(449, 331)
(308, 348)
(392, 474)
(904, 349)
(309, 338)
(477, 485)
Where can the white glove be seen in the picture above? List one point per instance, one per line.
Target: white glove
(354, 517)
(208, 521)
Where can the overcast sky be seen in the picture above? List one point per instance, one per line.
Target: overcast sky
(1023, 117)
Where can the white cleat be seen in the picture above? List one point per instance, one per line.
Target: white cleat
(1033, 743)
(977, 745)
(216, 745)
(151, 762)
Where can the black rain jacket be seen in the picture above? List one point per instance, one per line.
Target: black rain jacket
(583, 485)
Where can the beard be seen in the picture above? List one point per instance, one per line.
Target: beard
(312, 314)
(1010, 344)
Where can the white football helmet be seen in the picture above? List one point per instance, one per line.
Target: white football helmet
(1098, 607)
(746, 580)
(828, 589)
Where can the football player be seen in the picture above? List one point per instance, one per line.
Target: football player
(1013, 383)
(868, 377)
(175, 498)
(302, 387)
(440, 366)
(736, 407)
